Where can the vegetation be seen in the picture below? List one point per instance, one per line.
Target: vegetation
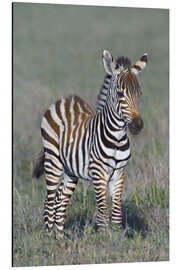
(57, 51)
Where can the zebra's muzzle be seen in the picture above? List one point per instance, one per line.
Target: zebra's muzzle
(136, 125)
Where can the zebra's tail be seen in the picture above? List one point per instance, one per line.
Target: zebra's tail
(39, 167)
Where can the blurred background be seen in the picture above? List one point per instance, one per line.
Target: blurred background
(57, 50)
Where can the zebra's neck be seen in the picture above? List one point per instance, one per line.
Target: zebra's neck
(112, 118)
(104, 95)
(112, 108)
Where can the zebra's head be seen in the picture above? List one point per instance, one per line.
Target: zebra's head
(125, 88)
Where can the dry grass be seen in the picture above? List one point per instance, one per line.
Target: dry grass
(57, 51)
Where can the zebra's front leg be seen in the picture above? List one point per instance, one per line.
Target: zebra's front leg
(115, 188)
(63, 196)
(100, 191)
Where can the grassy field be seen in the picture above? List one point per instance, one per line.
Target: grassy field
(56, 51)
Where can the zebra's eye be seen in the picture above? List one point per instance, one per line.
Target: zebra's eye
(120, 94)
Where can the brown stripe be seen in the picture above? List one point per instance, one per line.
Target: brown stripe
(48, 138)
(77, 147)
(137, 67)
(79, 135)
(51, 122)
(67, 105)
(57, 105)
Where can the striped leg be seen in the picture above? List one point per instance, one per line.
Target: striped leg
(100, 191)
(53, 170)
(115, 187)
(63, 196)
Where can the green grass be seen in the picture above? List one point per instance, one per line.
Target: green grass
(57, 51)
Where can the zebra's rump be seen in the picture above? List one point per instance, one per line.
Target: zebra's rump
(63, 129)
(65, 113)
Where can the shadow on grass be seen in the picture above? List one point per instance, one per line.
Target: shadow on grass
(134, 221)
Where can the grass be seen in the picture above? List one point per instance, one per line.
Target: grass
(57, 51)
(144, 236)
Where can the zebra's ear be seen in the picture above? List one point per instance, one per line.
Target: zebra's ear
(140, 64)
(108, 63)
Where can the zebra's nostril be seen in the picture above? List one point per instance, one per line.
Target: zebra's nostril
(140, 122)
(136, 125)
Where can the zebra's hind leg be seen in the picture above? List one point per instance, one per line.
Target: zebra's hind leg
(115, 188)
(63, 196)
(53, 171)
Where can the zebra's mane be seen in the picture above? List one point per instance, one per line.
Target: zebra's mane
(124, 63)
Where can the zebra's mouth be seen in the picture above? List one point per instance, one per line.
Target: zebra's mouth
(136, 125)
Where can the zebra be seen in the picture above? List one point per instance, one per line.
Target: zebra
(80, 143)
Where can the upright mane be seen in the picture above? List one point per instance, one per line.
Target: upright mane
(124, 62)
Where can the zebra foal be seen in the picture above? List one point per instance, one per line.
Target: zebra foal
(79, 143)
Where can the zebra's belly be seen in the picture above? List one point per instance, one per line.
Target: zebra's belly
(74, 161)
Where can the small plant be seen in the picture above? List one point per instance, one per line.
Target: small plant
(155, 195)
